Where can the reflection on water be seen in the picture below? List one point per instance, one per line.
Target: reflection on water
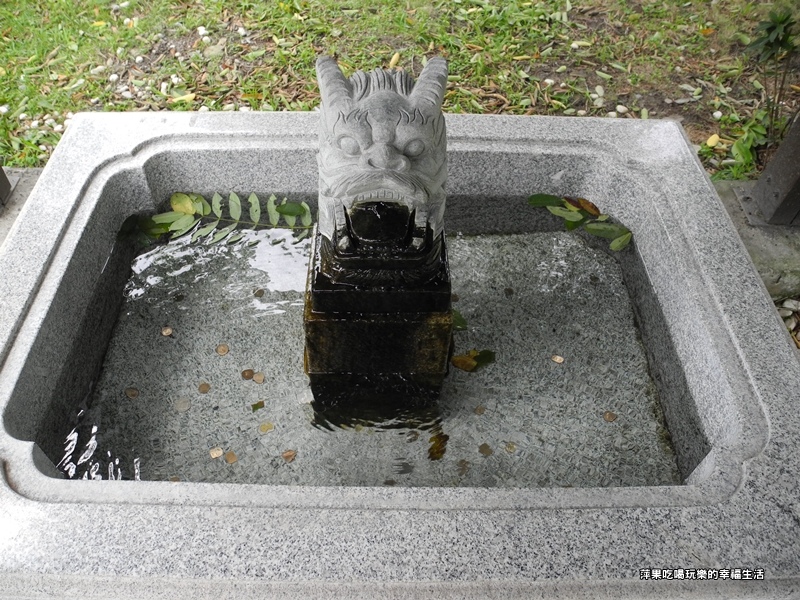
(382, 416)
(522, 421)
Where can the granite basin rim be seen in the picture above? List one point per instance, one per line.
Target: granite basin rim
(722, 472)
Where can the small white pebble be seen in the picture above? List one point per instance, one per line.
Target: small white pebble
(549, 82)
(175, 79)
(3, 109)
(34, 124)
(70, 114)
(717, 114)
(593, 96)
(113, 77)
(612, 115)
(203, 109)
(94, 100)
(178, 55)
(621, 109)
(581, 113)
(139, 60)
(563, 84)
(46, 117)
(124, 4)
(678, 69)
(242, 31)
(206, 39)
(244, 109)
(58, 128)
(127, 95)
(50, 122)
(229, 107)
(97, 70)
(164, 87)
(23, 116)
(126, 21)
(42, 147)
(202, 31)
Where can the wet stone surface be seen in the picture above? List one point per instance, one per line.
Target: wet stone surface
(525, 420)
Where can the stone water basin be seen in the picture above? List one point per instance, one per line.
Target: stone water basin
(705, 358)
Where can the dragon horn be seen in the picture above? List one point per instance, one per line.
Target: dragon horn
(429, 90)
(334, 88)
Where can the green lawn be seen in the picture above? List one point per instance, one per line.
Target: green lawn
(551, 57)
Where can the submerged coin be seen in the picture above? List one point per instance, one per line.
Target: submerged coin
(609, 416)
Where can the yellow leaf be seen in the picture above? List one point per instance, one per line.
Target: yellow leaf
(395, 60)
(181, 203)
(464, 362)
(712, 141)
(99, 24)
(2, 71)
(185, 98)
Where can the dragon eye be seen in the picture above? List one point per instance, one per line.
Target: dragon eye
(414, 148)
(349, 146)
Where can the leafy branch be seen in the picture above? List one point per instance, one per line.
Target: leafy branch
(775, 43)
(579, 213)
(192, 213)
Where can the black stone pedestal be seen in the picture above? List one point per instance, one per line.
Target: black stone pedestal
(369, 344)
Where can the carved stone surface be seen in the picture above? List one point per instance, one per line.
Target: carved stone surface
(377, 317)
(382, 169)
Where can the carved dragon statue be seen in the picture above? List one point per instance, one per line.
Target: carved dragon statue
(382, 170)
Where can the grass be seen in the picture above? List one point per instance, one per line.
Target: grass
(59, 57)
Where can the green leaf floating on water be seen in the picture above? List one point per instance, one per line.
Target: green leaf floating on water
(182, 203)
(620, 242)
(545, 200)
(216, 205)
(606, 230)
(235, 206)
(272, 211)
(305, 218)
(459, 322)
(222, 233)
(205, 207)
(185, 226)
(168, 217)
(204, 231)
(255, 208)
(565, 213)
(290, 209)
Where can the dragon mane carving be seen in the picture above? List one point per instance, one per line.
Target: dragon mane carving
(382, 170)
